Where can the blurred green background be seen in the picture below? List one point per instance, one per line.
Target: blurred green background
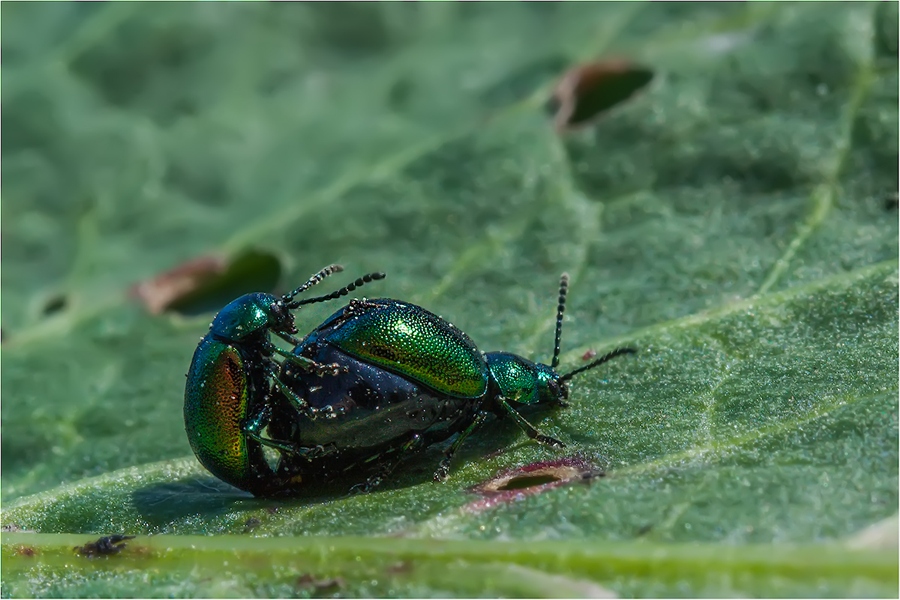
(736, 221)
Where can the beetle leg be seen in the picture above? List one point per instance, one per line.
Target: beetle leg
(374, 480)
(310, 365)
(387, 467)
(527, 427)
(299, 403)
(313, 452)
(443, 470)
(253, 426)
(287, 337)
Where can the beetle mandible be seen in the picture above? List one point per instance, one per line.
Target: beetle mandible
(226, 397)
(411, 380)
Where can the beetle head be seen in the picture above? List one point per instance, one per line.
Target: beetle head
(280, 319)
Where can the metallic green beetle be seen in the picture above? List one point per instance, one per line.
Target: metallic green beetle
(226, 397)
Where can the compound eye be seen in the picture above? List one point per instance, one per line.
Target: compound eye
(562, 391)
(282, 320)
(276, 316)
(553, 387)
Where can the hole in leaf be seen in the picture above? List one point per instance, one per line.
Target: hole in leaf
(587, 91)
(54, 304)
(252, 271)
(520, 483)
(532, 479)
(206, 284)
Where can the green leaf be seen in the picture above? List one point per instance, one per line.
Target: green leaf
(730, 221)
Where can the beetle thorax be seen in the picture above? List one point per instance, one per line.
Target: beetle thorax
(522, 381)
(249, 316)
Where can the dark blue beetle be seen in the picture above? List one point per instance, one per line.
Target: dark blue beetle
(410, 379)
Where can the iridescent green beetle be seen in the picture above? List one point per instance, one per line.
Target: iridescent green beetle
(226, 397)
(411, 379)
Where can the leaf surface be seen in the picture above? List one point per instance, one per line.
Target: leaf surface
(731, 221)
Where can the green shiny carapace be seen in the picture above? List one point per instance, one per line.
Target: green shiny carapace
(228, 384)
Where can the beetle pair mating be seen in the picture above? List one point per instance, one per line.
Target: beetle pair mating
(377, 380)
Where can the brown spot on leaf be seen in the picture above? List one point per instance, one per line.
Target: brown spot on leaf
(159, 293)
(587, 91)
(207, 283)
(23, 550)
(515, 484)
(589, 354)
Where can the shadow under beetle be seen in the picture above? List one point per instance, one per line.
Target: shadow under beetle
(227, 394)
(411, 379)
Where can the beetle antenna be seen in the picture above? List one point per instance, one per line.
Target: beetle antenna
(329, 270)
(563, 290)
(337, 294)
(598, 362)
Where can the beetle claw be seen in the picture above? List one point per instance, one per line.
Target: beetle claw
(367, 486)
(549, 441)
(442, 473)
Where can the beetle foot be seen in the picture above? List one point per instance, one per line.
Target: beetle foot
(311, 453)
(316, 452)
(443, 472)
(367, 486)
(549, 441)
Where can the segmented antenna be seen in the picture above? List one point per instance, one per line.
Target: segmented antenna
(598, 362)
(563, 290)
(337, 294)
(329, 270)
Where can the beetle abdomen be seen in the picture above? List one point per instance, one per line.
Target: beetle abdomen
(215, 406)
(413, 342)
(371, 408)
(371, 413)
